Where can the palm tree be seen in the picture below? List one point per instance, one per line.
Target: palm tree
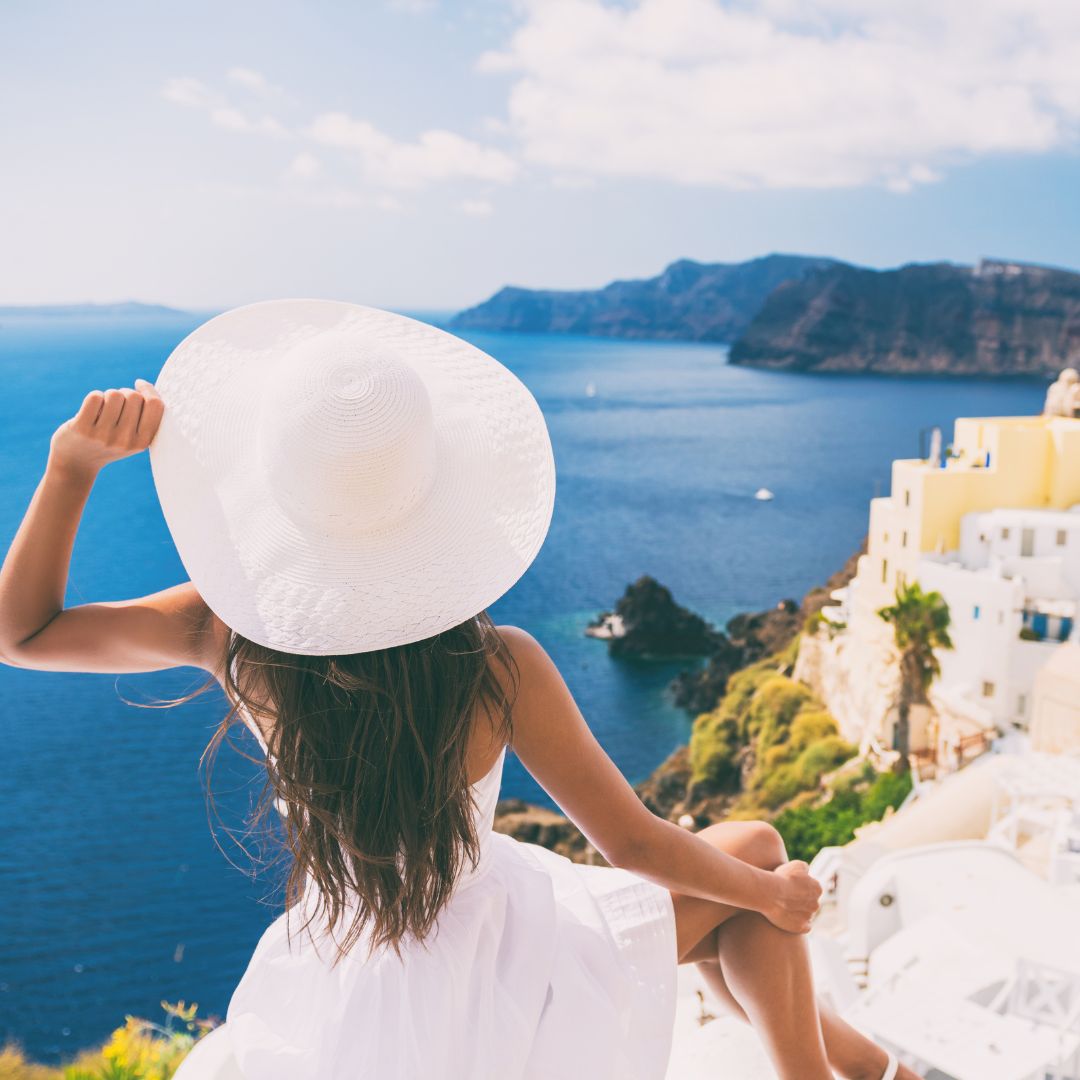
(921, 624)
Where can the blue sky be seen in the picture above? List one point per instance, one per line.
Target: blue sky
(422, 153)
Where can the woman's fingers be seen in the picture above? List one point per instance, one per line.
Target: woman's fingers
(127, 423)
(88, 412)
(110, 410)
(152, 411)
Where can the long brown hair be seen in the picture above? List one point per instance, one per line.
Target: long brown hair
(366, 759)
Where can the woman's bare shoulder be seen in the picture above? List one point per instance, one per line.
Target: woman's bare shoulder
(521, 643)
(533, 677)
(527, 654)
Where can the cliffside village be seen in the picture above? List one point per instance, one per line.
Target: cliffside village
(949, 930)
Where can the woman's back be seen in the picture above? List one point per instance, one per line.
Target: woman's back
(534, 968)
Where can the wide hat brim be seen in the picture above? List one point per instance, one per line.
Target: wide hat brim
(287, 584)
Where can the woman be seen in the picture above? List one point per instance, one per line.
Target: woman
(349, 490)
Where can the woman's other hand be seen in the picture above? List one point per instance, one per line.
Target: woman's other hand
(110, 424)
(796, 899)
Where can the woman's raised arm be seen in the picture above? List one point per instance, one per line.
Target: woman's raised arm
(170, 628)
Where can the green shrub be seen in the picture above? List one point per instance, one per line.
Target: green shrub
(714, 750)
(809, 726)
(773, 708)
(775, 756)
(808, 829)
(821, 757)
(777, 787)
(743, 685)
(795, 741)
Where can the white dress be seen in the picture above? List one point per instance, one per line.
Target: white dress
(539, 969)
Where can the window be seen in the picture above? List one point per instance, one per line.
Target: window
(988, 689)
(903, 539)
(884, 538)
(1004, 534)
(975, 612)
(907, 498)
(1021, 704)
(1027, 542)
(1001, 617)
(884, 571)
(1062, 536)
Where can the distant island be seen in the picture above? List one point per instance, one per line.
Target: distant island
(689, 301)
(62, 311)
(799, 313)
(997, 318)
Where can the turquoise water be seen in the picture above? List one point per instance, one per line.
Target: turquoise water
(113, 893)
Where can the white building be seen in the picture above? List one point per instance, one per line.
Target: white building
(1012, 590)
(1055, 719)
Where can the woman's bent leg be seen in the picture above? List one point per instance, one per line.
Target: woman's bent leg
(767, 971)
(696, 919)
(700, 923)
(774, 989)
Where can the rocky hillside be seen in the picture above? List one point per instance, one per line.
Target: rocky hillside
(994, 319)
(690, 300)
(671, 789)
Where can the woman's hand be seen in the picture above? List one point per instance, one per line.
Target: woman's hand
(796, 898)
(111, 424)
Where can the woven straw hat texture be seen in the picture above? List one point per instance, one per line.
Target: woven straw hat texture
(339, 478)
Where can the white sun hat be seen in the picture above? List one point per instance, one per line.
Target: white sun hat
(339, 478)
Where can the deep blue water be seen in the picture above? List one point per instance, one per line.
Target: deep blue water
(112, 893)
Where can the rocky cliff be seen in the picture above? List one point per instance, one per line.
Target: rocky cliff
(997, 318)
(690, 300)
(751, 636)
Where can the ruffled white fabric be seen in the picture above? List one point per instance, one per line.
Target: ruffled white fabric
(539, 969)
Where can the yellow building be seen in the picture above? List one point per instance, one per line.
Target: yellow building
(1030, 462)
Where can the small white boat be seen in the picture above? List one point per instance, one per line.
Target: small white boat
(590, 389)
(763, 495)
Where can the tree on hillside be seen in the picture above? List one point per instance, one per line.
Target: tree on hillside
(920, 622)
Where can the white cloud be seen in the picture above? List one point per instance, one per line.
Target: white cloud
(435, 156)
(189, 92)
(253, 80)
(222, 113)
(305, 166)
(773, 93)
(385, 163)
(476, 208)
(234, 120)
(412, 7)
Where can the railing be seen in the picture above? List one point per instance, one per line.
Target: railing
(964, 750)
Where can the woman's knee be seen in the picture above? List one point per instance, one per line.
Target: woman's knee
(755, 842)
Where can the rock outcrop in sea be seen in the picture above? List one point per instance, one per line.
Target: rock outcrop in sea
(690, 301)
(997, 318)
(648, 624)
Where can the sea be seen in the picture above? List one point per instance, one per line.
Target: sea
(119, 890)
